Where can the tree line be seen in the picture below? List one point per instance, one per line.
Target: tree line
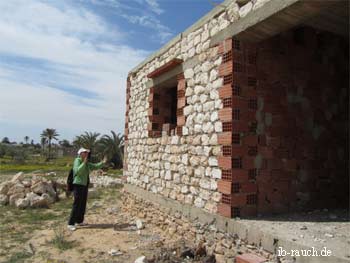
(111, 146)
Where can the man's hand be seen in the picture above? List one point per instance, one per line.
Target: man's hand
(85, 160)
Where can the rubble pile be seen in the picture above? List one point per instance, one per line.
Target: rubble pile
(203, 241)
(24, 192)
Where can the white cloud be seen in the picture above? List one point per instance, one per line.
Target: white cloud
(155, 6)
(148, 21)
(79, 50)
(144, 13)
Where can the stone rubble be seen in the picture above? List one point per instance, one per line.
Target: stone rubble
(221, 246)
(25, 192)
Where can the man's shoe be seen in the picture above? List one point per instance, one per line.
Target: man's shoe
(71, 227)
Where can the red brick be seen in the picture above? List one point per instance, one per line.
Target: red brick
(248, 163)
(250, 258)
(251, 70)
(248, 115)
(225, 138)
(225, 114)
(237, 56)
(181, 102)
(225, 162)
(274, 142)
(240, 103)
(239, 199)
(281, 153)
(264, 177)
(250, 140)
(225, 69)
(248, 92)
(225, 187)
(225, 91)
(290, 164)
(239, 150)
(181, 84)
(239, 175)
(181, 120)
(266, 152)
(240, 126)
(248, 188)
(274, 164)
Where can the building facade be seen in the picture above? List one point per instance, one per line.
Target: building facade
(246, 112)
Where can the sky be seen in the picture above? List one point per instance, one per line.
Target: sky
(64, 63)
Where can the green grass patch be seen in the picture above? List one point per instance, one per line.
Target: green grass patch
(36, 164)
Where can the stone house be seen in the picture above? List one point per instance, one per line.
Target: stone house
(246, 112)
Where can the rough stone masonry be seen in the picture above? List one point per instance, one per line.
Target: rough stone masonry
(242, 127)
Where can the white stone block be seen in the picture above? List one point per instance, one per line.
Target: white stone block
(206, 66)
(218, 83)
(213, 75)
(199, 90)
(205, 35)
(168, 175)
(218, 126)
(184, 189)
(213, 161)
(216, 173)
(189, 73)
(197, 40)
(214, 116)
(204, 183)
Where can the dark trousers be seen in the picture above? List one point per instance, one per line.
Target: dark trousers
(80, 193)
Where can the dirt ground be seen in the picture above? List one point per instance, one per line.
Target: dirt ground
(110, 236)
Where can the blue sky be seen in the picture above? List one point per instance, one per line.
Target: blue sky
(63, 63)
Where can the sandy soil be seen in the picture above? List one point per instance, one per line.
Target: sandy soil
(104, 233)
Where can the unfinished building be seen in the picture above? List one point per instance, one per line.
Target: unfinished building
(246, 112)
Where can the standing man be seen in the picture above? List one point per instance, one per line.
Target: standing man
(81, 171)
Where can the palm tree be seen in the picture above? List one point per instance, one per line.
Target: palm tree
(113, 148)
(26, 139)
(87, 140)
(49, 135)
